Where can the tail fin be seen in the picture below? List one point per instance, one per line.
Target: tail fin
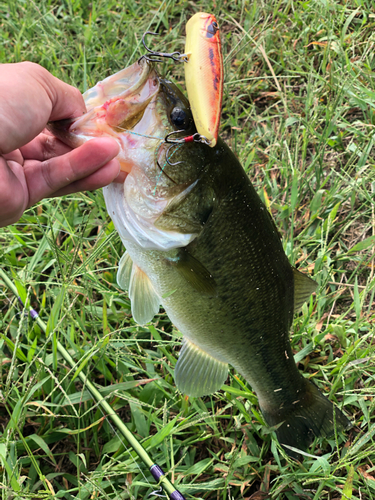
(313, 415)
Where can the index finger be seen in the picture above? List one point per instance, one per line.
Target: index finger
(67, 101)
(30, 97)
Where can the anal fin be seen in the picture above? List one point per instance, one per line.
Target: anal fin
(303, 288)
(197, 373)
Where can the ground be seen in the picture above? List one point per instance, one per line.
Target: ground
(298, 111)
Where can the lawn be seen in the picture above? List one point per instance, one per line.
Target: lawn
(299, 112)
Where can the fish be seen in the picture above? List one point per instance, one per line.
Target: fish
(200, 242)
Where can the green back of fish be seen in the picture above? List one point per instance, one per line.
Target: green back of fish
(245, 319)
(232, 293)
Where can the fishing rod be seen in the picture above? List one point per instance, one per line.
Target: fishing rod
(156, 471)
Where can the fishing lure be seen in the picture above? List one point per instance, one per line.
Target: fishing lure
(204, 74)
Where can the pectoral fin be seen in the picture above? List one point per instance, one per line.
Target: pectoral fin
(144, 300)
(303, 288)
(194, 272)
(197, 373)
(124, 271)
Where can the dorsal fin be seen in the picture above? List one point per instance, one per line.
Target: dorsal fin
(144, 300)
(197, 373)
(303, 288)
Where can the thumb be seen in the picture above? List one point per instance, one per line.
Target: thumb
(80, 169)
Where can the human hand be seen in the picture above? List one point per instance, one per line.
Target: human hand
(36, 165)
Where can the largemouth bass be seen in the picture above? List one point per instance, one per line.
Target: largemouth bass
(200, 242)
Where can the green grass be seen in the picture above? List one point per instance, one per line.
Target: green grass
(299, 111)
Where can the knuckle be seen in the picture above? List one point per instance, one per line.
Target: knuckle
(58, 173)
(33, 68)
(70, 175)
(47, 175)
(76, 97)
(76, 92)
(42, 76)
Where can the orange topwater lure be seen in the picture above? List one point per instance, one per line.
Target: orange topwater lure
(204, 73)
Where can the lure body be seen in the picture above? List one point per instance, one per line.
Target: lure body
(204, 73)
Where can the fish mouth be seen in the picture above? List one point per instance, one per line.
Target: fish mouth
(115, 108)
(134, 107)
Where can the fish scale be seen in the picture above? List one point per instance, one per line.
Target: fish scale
(248, 303)
(200, 242)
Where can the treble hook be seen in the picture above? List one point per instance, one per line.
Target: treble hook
(190, 138)
(167, 155)
(178, 142)
(153, 57)
(182, 140)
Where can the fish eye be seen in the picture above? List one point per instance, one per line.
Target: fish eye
(180, 119)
